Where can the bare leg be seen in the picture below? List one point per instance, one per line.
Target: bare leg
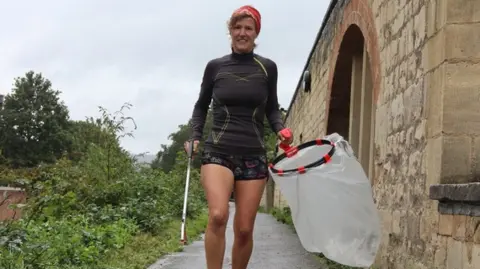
(248, 194)
(218, 184)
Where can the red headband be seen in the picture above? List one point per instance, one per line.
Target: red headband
(251, 11)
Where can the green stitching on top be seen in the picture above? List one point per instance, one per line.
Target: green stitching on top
(261, 65)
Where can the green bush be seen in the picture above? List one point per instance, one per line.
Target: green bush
(81, 211)
(284, 215)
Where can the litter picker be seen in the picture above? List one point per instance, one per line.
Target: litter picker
(183, 233)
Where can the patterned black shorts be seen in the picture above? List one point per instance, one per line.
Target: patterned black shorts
(242, 167)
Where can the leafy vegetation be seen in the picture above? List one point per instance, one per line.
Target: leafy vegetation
(89, 203)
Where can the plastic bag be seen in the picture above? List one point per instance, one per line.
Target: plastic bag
(331, 200)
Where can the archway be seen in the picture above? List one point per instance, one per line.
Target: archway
(339, 108)
(351, 102)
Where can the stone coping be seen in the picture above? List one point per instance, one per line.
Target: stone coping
(466, 192)
(459, 209)
(10, 189)
(457, 199)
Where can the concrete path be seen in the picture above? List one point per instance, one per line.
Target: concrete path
(276, 247)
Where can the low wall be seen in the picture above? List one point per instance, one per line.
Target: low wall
(10, 196)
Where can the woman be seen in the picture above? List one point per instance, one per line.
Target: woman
(243, 87)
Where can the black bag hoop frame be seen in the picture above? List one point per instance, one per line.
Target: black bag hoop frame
(293, 151)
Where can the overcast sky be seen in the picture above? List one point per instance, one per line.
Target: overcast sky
(148, 53)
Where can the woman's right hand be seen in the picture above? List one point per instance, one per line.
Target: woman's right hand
(186, 146)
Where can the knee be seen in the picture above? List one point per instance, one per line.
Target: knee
(244, 234)
(218, 219)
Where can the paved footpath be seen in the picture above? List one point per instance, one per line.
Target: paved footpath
(276, 246)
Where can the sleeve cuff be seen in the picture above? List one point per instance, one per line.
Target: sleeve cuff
(196, 136)
(277, 127)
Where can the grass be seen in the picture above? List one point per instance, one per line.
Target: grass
(146, 249)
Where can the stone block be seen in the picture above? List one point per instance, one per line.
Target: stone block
(431, 16)
(416, 5)
(414, 67)
(414, 171)
(434, 83)
(471, 225)
(462, 11)
(413, 99)
(396, 225)
(476, 255)
(428, 225)
(445, 224)
(381, 131)
(391, 8)
(420, 131)
(456, 161)
(463, 41)
(405, 74)
(409, 37)
(397, 24)
(409, 141)
(434, 51)
(461, 109)
(476, 158)
(476, 234)
(420, 26)
(386, 220)
(440, 254)
(467, 259)
(459, 226)
(401, 48)
(433, 161)
(413, 227)
(397, 113)
(441, 14)
(454, 253)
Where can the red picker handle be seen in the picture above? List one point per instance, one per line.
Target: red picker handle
(286, 133)
(289, 151)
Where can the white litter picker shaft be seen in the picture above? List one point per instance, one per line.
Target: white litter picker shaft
(183, 234)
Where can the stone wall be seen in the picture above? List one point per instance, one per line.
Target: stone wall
(408, 215)
(425, 62)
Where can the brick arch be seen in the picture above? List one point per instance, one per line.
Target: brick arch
(357, 12)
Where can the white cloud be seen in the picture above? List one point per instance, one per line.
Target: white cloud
(148, 53)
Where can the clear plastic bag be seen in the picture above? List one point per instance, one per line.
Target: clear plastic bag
(331, 202)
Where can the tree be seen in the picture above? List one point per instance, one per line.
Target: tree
(85, 134)
(167, 157)
(33, 123)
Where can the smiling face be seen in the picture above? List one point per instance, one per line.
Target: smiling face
(243, 33)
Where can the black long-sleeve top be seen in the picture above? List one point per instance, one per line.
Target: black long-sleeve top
(242, 89)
